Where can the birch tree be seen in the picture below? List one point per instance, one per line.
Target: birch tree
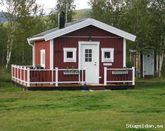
(158, 13)
(29, 22)
(23, 21)
(144, 18)
(11, 14)
(3, 39)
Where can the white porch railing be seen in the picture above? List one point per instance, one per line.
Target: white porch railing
(26, 76)
(119, 75)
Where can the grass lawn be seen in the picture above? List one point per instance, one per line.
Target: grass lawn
(82, 110)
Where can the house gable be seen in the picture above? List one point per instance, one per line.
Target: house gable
(87, 22)
(91, 32)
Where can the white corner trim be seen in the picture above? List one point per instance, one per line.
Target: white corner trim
(74, 50)
(33, 55)
(111, 50)
(124, 52)
(51, 54)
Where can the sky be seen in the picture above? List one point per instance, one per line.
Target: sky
(49, 4)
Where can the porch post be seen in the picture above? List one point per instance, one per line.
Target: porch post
(24, 70)
(12, 71)
(17, 74)
(33, 54)
(133, 75)
(20, 75)
(105, 76)
(56, 69)
(52, 76)
(28, 77)
(82, 75)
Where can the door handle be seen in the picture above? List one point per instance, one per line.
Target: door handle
(95, 63)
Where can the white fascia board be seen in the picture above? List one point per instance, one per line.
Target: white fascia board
(83, 24)
(113, 30)
(51, 54)
(30, 40)
(67, 30)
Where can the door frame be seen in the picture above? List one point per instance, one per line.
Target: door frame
(97, 43)
(143, 55)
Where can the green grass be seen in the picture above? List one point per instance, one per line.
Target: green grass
(81, 110)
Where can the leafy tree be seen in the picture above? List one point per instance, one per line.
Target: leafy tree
(23, 21)
(144, 18)
(29, 14)
(68, 7)
(62, 5)
(107, 11)
(3, 39)
(11, 27)
(157, 9)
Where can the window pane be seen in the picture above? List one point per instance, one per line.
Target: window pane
(69, 54)
(107, 55)
(43, 58)
(90, 60)
(86, 51)
(88, 55)
(86, 59)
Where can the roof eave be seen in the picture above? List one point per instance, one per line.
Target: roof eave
(81, 25)
(31, 40)
(67, 30)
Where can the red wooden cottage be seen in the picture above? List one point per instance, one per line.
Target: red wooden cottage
(86, 52)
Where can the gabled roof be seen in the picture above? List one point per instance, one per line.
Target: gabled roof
(73, 26)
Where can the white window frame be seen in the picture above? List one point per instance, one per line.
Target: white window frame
(42, 60)
(111, 50)
(74, 50)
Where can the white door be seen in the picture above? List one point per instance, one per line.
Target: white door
(89, 60)
(148, 63)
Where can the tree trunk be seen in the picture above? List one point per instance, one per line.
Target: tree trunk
(9, 51)
(161, 58)
(10, 41)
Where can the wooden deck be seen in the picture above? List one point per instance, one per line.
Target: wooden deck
(76, 87)
(74, 79)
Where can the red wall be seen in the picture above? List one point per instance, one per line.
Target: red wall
(94, 34)
(39, 45)
(106, 39)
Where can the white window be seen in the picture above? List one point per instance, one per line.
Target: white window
(42, 58)
(69, 54)
(107, 54)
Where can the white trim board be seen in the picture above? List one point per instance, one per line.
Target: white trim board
(74, 51)
(33, 55)
(79, 50)
(51, 54)
(97, 43)
(82, 24)
(124, 52)
(111, 59)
